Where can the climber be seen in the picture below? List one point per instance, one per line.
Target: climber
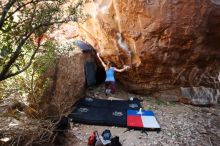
(110, 79)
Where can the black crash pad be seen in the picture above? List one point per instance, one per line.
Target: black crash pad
(103, 103)
(83, 45)
(99, 116)
(90, 71)
(102, 112)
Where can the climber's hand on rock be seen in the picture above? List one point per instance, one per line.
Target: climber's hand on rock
(126, 67)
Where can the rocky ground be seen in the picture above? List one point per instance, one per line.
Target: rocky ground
(183, 125)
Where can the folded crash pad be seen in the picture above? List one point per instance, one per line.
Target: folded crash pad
(90, 71)
(83, 45)
(142, 119)
(102, 112)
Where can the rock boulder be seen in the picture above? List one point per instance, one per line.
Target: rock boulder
(168, 43)
(201, 96)
(65, 84)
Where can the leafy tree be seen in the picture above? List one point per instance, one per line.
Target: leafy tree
(23, 24)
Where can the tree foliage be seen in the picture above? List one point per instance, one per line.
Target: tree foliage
(23, 24)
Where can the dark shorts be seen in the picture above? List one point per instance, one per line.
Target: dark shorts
(110, 85)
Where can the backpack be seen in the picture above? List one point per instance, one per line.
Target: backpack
(115, 141)
(106, 134)
(92, 139)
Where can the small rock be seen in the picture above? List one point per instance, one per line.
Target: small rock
(209, 114)
(75, 129)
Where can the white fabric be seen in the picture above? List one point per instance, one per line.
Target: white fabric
(104, 142)
(150, 122)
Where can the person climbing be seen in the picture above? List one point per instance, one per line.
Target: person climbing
(110, 86)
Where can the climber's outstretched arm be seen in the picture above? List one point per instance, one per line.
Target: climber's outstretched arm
(123, 69)
(104, 65)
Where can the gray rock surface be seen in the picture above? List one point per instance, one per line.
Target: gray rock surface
(201, 95)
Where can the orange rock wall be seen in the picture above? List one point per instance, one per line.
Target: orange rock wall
(168, 43)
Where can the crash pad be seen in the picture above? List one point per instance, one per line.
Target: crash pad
(95, 111)
(142, 119)
(83, 45)
(90, 72)
(104, 103)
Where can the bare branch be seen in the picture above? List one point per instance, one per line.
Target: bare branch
(27, 25)
(6, 68)
(25, 68)
(19, 8)
(5, 11)
(14, 56)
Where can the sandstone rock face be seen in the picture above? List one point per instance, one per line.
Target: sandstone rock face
(201, 96)
(168, 43)
(67, 81)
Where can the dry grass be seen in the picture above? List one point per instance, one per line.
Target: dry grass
(19, 127)
(26, 131)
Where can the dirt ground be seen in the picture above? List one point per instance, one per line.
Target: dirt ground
(182, 125)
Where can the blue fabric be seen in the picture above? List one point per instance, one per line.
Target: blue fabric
(136, 113)
(110, 74)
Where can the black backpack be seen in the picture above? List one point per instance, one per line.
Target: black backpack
(115, 141)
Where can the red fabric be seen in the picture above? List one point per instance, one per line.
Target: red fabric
(134, 121)
(92, 139)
